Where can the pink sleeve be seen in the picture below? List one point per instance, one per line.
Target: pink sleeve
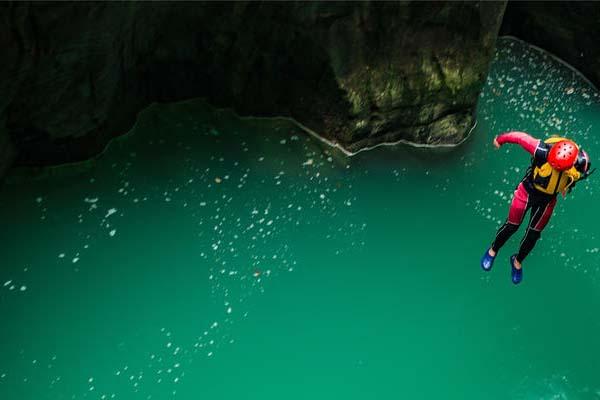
(523, 139)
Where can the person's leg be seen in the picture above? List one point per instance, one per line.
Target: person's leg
(540, 215)
(518, 207)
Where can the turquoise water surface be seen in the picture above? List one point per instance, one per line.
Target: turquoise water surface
(210, 257)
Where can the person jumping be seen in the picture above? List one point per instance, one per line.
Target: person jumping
(556, 165)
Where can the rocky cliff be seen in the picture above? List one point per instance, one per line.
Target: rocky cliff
(74, 75)
(568, 29)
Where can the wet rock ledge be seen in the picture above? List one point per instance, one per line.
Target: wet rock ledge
(74, 75)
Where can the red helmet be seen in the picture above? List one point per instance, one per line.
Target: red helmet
(563, 155)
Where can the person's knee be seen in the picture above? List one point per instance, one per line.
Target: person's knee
(514, 220)
(511, 227)
(505, 232)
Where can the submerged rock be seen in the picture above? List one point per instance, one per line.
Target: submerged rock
(357, 73)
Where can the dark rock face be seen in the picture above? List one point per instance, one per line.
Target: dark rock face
(568, 29)
(7, 151)
(74, 75)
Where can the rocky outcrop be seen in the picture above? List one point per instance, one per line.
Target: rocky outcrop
(74, 75)
(568, 29)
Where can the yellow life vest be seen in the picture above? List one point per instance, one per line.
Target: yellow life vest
(551, 181)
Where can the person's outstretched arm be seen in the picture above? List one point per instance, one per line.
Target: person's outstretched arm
(523, 139)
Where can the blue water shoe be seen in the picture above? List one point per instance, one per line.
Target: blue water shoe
(487, 261)
(516, 274)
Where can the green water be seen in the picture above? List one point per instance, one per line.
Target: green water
(206, 256)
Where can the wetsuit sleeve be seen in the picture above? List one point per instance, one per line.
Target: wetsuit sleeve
(582, 165)
(523, 139)
(583, 162)
(540, 154)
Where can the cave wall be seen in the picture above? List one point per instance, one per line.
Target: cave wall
(358, 73)
(568, 29)
(7, 151)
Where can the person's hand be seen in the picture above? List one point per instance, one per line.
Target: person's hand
(495, 142)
